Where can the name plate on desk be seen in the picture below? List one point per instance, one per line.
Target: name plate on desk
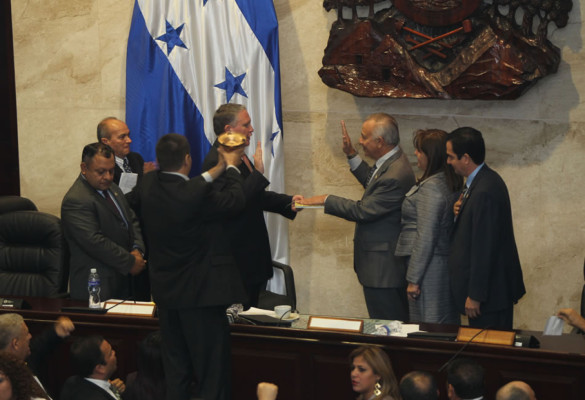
(336, 324)
(485, 336)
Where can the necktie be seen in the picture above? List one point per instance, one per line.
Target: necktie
(371, 174)
(126, 166)
(111, 202)
(246, 161)
(116, 392)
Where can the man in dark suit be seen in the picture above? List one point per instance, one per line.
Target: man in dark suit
(116, 134)
(193, 274)
(377, 215)
(486, 277)
(101, 229)
(247, 231)
(94, 361)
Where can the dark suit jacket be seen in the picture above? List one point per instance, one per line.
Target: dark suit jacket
(247, 231)
(99, 238)
(77, 388)
(190, 260)
(136, 163)
(377, 217)
(484, 263)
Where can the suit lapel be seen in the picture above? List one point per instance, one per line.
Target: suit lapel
(469, 191)
(384, 167)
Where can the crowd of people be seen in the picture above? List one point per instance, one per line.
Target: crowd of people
(425, 250)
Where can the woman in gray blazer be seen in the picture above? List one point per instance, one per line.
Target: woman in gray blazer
(427, 219)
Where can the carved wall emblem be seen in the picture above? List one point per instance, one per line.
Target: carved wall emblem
(447, 49)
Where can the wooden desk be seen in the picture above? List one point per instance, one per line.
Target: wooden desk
(313, 364)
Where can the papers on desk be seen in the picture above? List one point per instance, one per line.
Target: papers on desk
(404, 330)
(130, 307)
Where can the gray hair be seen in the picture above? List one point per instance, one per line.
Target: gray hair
(226, 114)
(10, 328)
(386, 127)
(102, 128)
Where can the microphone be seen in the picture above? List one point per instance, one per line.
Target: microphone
(461, 349)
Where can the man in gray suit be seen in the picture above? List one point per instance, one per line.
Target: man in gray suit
(101, 228)
(377, 215)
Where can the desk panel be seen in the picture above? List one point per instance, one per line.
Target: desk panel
(314, 365)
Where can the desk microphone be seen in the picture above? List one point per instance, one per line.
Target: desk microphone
(87, 310)
(461, 349)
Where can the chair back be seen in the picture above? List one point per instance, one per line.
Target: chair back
(268, 300)
(33, 254)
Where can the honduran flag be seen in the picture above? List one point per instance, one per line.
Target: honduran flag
(187, 57)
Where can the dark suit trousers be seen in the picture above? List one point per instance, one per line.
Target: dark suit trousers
(503, 319)
(196, 342)
(387, 303)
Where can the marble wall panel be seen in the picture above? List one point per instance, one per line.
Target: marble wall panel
(70, 66)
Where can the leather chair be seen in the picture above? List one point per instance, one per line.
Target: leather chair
(15, 203)
(268, 300)
(33, 252)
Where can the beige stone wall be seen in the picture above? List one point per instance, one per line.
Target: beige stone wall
(70, 65)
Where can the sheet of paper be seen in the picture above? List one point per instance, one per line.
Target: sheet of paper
(299, 206)
(128, 181)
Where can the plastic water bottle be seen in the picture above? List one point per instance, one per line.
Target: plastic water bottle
(94, 287)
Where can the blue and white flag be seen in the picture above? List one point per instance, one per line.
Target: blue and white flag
(187, 57)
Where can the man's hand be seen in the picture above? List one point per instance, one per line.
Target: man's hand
(231, 156)
(572, 317)
(457, 205)
(266, 391)
(347, 146)
(315, 200)
(258, 161)
(472, 308)
(413, 291)
(63, 327)
(297, 198)
(119, 385)
(139, 262)
(148, 166)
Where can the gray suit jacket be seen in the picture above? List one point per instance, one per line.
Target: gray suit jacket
(99, 238)
(377, 217)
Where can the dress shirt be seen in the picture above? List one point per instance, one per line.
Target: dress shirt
(104, 385)
(355, 162)
(472, 175)
(206, 175)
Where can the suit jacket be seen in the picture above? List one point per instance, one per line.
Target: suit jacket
(427, 221)
(136, 163)
(190, 260)
(99, 238)
(78, 388)
(247, 231)
(484, 262)
(377, 217)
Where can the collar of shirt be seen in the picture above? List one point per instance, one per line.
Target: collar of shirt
(386, 156)
(185, 177)
(103, 384)
(471, 176)
(357, 160)
(119, 162)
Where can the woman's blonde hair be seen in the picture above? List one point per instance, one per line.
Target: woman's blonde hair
(378, 360)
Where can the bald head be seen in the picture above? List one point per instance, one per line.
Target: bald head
(516, 390)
